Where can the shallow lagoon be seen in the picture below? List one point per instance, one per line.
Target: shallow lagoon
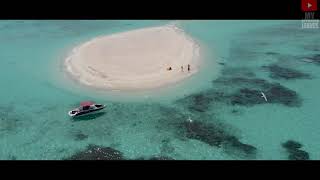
(230, 119)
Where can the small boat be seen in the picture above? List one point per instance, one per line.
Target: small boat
(86, 108)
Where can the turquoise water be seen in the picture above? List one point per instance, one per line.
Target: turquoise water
(228, 123)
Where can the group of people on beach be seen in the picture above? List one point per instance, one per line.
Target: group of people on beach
(170, 68)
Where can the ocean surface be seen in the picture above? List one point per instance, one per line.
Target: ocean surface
(217, 114)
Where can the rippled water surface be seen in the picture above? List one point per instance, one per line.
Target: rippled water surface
(229, 118)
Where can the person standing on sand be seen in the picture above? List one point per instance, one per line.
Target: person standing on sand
(188, 67)
(182, 68)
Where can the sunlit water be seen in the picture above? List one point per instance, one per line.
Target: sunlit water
(36, 94)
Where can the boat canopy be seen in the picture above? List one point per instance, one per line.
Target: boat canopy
(86, 103)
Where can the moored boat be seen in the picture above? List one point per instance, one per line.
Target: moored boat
(86, 108)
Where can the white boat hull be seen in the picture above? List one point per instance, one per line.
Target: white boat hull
(78, 113)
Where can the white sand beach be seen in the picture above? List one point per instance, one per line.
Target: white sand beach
(135, 60)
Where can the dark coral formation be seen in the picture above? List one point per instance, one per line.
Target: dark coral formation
(209, 130)
(282, 95)
(294, 150)
(244, 82)
(247, 97)
(200, 102)
(234, 111)
(206, 133)
(12, 157)
(298, 155)
(157, 157)
(216, 136)
(241, 91)
(249, 92)
(166, 147)
(272, 53)
(9, 119)
(276, 94)
(234, 146)
(161, 158)
(94, 152)
(278, 72)
(290, 144)
(315, 59)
